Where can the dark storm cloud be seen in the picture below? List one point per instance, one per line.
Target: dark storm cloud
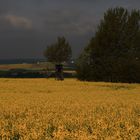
(27, 26)
(69, 22)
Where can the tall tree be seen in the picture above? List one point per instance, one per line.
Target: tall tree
(59, 51)
(113, 54)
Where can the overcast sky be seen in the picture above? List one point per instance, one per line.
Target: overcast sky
(28, 26)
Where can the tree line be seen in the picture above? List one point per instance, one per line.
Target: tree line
(113, 53)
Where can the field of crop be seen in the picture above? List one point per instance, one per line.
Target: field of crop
(26, 66)
(45, 109)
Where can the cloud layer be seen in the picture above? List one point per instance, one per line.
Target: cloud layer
(28, 26)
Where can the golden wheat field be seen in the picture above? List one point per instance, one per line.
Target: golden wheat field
(45, 109)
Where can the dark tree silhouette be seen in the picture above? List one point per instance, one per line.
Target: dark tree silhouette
(57, 53)
(113, 54)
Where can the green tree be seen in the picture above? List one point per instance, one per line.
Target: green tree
(113, 54)
(59, 51)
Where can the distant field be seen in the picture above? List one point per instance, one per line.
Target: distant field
(25, 66)
(40, 66)
(45, 109)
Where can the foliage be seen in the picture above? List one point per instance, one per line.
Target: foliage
(113, 54)
(59, 51)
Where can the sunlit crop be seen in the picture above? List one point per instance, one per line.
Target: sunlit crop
(45, 109)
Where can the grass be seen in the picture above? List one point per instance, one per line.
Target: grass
(45, 109)
(25, 66)
(39, 66)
